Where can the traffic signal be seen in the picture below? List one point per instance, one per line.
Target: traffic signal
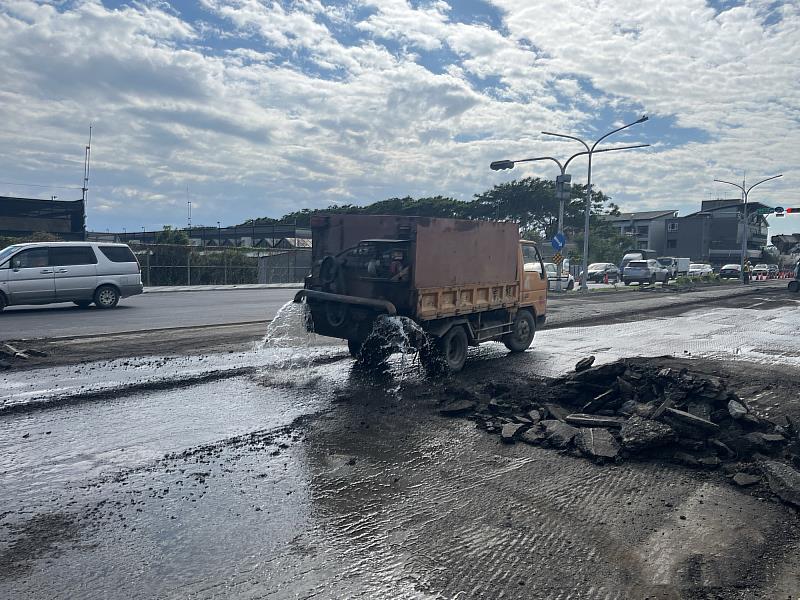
(795, 210)
(501, 165)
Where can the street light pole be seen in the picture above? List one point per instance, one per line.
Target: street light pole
(590, 151)
(745, 192)
(499, 165)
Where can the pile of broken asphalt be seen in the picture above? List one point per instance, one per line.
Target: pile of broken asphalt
(631, 409)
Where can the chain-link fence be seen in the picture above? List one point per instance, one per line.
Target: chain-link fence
(170, 264)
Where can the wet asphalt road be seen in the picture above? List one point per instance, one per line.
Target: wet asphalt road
(287, 473)
(144, 312)
(188, 309)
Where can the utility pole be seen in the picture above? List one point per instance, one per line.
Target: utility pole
(189, 238)
(86, 157)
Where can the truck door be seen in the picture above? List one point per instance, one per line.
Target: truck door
(30, 280)
(534, 282)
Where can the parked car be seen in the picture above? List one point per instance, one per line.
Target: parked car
(645, 271)
(553, 274)
(773, 271)
(730, 271)
(670, 263)
(597, 272)
(78, 272)
(636, 255)
(761, 270)
(700, 270)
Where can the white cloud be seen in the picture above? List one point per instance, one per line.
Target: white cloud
(264, 107)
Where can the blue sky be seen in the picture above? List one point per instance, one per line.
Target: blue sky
(262, 107)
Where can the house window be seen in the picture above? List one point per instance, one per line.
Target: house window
(672, 227)
(672, 243)
(643, 229)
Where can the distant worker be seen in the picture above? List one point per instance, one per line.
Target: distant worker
(746, 272)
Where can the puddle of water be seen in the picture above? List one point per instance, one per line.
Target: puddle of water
(73, 444)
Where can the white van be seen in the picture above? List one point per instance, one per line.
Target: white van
(79, 272)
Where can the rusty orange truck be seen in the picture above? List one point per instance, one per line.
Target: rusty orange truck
(461, 282)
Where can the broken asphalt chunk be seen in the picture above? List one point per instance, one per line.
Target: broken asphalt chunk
(558, 433)
(583, 420)
(509, 431)
(745, 479)
(459, 407)
(737, 410)
(556, 412)
(597, 442)
(584, 364)
(783, 480)
(534, 435)
(689, 419)
(640, 434)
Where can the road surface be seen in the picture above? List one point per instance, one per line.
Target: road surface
(286, 472)
(144, 312)
(225, 307)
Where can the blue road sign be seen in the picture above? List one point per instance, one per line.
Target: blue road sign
(558, 241)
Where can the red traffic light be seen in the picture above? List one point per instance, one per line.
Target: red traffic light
(792, 210)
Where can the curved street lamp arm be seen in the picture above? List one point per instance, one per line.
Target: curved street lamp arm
(555, 160)
(604, 150)
(762, 181)
(569, 137)
(642, 120)
(736, 185)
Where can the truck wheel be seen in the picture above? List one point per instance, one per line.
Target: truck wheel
(522, 332)
(570, 285)
(354, 346)
(652, 280)
(452, 348)
(3, 302)
(794, 286)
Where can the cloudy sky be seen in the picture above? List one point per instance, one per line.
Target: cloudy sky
(262, 107)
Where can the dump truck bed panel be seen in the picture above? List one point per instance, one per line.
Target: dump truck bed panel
(464, 253)
(436, 303)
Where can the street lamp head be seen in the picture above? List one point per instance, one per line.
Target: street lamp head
(643, 119)
(501, 165)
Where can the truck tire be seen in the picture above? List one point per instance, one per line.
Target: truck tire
(452, 348)
(522, 332)
(3, 302)
(354, 346)
(794, 286)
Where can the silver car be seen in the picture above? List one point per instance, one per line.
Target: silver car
(79, 272)
(644, 271)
